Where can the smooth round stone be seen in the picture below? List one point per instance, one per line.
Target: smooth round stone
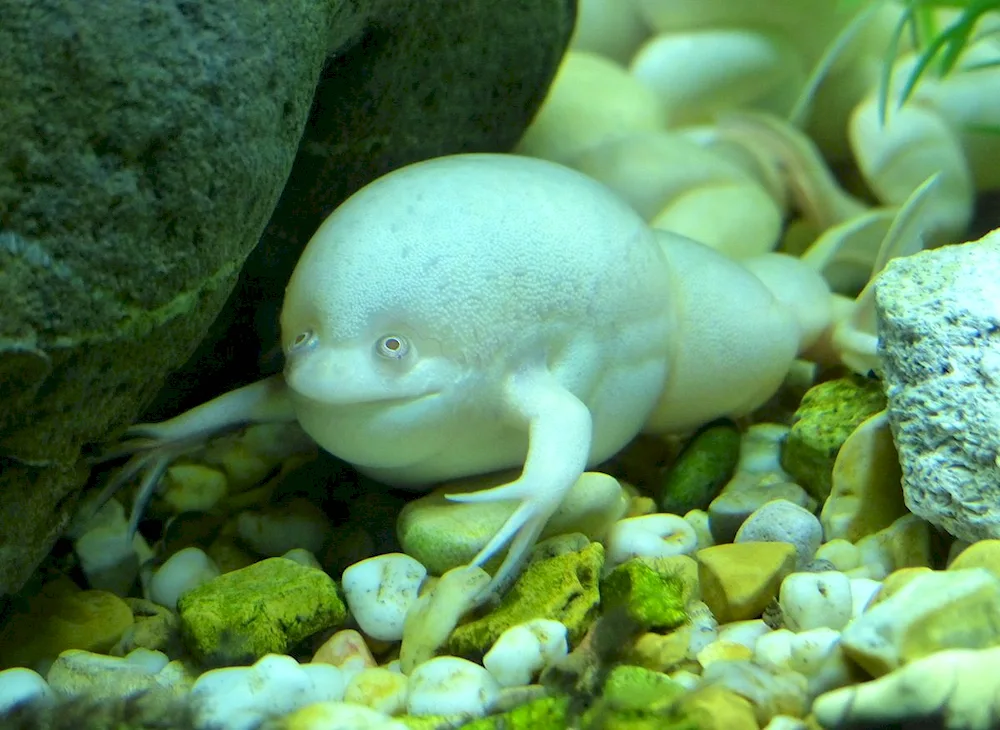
(380, 688)
(276, 530)
(240, 698)
(782, 521)
(816, 600)
(524, 650)
(184, 570)
(339, 716)
(448, 685)
(19, 685)
(380, 591)
(99, 676)
(193, 487)
(982, 554)
(730, 510)
(442, 534)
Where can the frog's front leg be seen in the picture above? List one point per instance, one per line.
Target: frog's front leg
(559, 428)
(153, 446)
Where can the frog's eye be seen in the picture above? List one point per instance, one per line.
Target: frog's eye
(392, 347)
(301, 340)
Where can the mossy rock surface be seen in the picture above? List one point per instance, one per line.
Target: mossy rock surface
(828, 414)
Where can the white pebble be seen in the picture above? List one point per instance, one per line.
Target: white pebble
(863, 591)
(19, 685)
(240, 698)
(298, 524)
(814, 600)
(107, 558)
(651, 536)
(687, 680)
(700, 523)
(380, 688)
(786, 722)
(448, 685)
(184, 570)
(525, 649)
(840, 553)
(380, 591)
(774, 650)
(744, 632)
(303, 557)
(818, 656)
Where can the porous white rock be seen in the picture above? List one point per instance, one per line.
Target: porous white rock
(523, 650)
(182, 571)
(938, 318)
(380, 591)
(445, 685)
(240, 698)
(19, 685)
(782, 521)
(815, 600)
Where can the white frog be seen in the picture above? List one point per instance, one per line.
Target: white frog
(477, 312)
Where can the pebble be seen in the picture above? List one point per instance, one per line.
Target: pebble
(983, 554)
(717, 708)
(934, 611)
(279, 528)
(730, 510)
(656, 535)
(867, 491)
(448, 685)
(380, 688)
(62, 617)
(840, 553)
(98, 676)
(738, 580)
(347, 651)
(380, 591)
(184, 570)
(958, 686)
(707, 463)
(443, 534)
(782, 521)
(240, 698)
(818, 655)
(107, 557)
(816, 600)
(777, 691)
(863, 592)
(20, 685)
(261, 609)
(193, 488)
(339, 716)
(701, 524)
(522, 651)
(744, 632)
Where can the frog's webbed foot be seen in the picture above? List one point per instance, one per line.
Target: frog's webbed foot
(152, 447)
(559, 434)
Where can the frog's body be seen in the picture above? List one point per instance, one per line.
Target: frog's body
(479, 312)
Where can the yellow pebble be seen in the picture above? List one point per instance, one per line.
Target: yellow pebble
(738, 580)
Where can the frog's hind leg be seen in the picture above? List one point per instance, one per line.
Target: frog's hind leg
(153, 446)
(559, 437)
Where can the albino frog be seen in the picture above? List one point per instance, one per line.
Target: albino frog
(477, 312)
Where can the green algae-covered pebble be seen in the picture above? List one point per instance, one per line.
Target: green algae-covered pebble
(265, 608)
(653, 599)
(702, 469)
(548, 713)
(563, 588)
(828, 414)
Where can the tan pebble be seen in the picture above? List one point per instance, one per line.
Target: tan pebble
(933, 611)
(867, 492)
(738, 580)
(843, 555)
(193, 487)
(379, 688)
(663, 652)
(345, 649)
(61, 617)
(723, 651)
(716, 708)
(894, 581)
(982, 554)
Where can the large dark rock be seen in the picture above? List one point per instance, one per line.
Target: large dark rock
(143, 147)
